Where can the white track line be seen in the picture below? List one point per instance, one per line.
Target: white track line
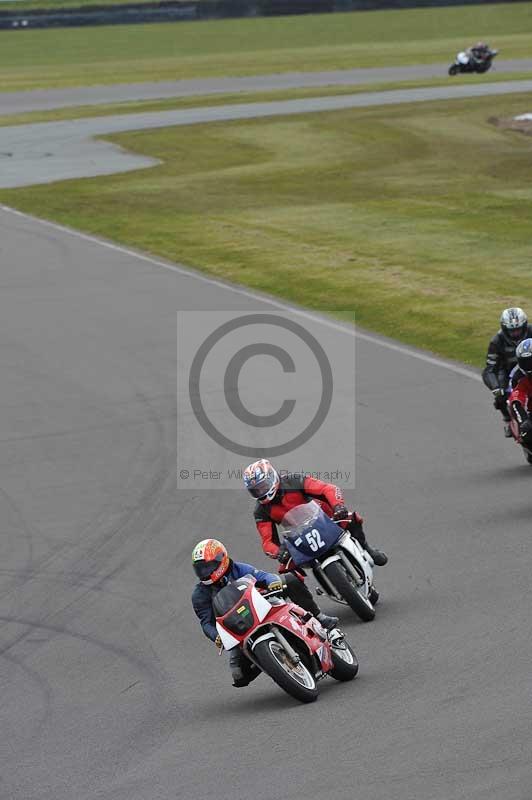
(329, 323)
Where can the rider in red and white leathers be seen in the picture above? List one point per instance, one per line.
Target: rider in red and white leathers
(520, 400)
(275, 495)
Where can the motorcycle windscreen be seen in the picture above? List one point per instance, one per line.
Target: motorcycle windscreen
(229, 596)
(301, 517)
(314, 538)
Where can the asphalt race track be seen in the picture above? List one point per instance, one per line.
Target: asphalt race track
(109, 689)
(52, 151)
(45, 99)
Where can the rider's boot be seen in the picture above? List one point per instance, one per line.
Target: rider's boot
(379, 557)
(236, 667)
(239, 679)
(355, 529)
(327, 622)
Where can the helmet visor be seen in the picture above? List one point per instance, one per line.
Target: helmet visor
(525, 364)
(261, 489)
(516, 333)
(204, 569)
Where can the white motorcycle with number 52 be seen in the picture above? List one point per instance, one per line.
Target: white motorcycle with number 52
(342, 568)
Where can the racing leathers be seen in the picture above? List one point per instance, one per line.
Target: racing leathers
(500, 361)
(297, 489)
(203, 595)
(479, 54)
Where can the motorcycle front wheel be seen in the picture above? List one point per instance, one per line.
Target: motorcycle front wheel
(453, 69)
(295, 679)
(345, 662)
(527, 454)
(343, 582)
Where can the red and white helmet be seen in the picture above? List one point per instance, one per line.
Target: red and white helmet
(262, 480)
(210, 560)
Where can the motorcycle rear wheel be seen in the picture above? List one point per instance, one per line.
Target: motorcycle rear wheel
(298, 681)
(339, 578)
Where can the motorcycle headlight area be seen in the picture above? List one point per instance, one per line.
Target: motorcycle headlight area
(240, 620)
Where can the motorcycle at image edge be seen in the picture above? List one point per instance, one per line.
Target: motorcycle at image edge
(342, 568)
(516, 433)
(281, 639)
(464, 63)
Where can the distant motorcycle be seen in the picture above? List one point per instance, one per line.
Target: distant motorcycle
(466, 63)
(281, 639)
(343, 570)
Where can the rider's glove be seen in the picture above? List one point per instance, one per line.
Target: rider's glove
(218, 642)
(283, 555)
(340, 511)
(499, 398)
(276, 585)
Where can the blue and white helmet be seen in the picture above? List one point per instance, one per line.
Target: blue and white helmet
(514, 324)
(261, 480)
(524, 356)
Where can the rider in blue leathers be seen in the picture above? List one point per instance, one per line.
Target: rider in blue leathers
(215, 569)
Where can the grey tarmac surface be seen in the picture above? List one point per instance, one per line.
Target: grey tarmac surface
(46, 99)
(109, 689)
(52, 151)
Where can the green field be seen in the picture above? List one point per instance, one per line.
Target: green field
(115, 54)
(417, 216)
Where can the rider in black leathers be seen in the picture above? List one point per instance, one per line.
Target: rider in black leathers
(480, 52)
(500, 359)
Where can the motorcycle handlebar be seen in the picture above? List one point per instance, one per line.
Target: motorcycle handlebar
(273, 593)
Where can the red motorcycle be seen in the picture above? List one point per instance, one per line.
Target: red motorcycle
(281, 639)
(516, 433)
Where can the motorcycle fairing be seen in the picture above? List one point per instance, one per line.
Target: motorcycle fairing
(350, 545)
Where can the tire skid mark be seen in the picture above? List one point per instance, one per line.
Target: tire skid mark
(27, 531)
(109, 542)
(146, 667)
(43, 686)
(98, 524)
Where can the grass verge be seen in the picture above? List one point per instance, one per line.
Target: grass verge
(415, 216)
(123, 54)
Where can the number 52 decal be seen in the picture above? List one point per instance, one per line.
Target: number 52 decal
(314, 540)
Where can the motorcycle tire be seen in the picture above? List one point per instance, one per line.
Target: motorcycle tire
(453, 70)
(271, 664)
(339, 578)
(528, 455)
(345, 668)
